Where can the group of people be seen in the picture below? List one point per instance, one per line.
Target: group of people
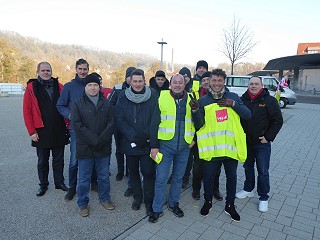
(162, 132)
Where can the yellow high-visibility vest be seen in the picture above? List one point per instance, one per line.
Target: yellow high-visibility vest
(196, 88)
(167, 125)
(222, 134)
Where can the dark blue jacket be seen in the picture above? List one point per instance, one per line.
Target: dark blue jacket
(239, 108)
(71, 92)
(135, 119)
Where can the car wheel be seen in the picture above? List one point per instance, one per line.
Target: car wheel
(282, 103)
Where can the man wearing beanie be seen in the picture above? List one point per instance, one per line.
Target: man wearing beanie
(93, 122)
(117, 135)
(137, 112)
(159, 82)
(201, 68)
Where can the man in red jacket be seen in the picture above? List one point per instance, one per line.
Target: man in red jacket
(45, 125)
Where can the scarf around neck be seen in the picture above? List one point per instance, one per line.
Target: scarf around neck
(138, 97)
(216, 95)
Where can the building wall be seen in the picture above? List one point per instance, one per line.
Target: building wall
(309, 80)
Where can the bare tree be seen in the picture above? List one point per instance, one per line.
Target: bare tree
(237, 41)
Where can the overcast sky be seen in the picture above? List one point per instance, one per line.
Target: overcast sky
(192, 29)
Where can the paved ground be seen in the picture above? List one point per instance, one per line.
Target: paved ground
(293, 210)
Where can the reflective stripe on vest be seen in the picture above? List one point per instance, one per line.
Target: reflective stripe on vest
(221, 135)
(168, 118)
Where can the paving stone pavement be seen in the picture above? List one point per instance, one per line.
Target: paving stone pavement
(294, 196)
(293, 209)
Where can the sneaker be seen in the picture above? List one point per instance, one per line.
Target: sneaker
(128, 192)
(84, 212)
(108, 205)
(263, 206)
(153, 218)
(169, 180)
(217, 195)
(119, 176)
(70, 194)
(196, 194)
(206, 208)
(244, 194)
(230, 210)
(185, 181)
(136, 205)
(176, 210)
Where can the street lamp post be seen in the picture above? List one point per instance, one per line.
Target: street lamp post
(162, 42)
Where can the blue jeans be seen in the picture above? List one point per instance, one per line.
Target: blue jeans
(209, 172)
(73, 165)
(260, 154)
(84, 179)
(179, 160)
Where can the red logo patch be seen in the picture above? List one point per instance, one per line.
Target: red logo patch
(222, 115)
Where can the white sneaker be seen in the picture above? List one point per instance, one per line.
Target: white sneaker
(244, 194)
(263, 206)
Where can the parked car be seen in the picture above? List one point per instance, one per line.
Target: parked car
(239, 84)
(12, 88)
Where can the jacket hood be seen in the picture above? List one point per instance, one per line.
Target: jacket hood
(154, 85)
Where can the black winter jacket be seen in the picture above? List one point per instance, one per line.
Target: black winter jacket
(94, 126)
(266, 117)
(136, 119)
(153, 84)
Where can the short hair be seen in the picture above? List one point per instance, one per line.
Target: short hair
(40, 63)
(81, 61)
(219, 72)
(138, 72)
(177, 75)
(256, 76)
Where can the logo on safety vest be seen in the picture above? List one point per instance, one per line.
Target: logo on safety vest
(222, 115)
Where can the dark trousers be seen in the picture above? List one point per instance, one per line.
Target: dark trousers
(209, 173)
(57, 165)
(197, 171)
(119, 154)
(147, 166)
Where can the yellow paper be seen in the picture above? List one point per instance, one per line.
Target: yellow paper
(158, 157)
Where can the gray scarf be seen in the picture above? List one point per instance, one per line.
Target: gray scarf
(93, 99)
(138, 98)
(216, 95)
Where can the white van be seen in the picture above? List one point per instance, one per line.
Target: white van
(12, 88)
(239, 84)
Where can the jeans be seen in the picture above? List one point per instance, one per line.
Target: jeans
(260, 154)
(147, 166)
(179, 160)
(57, 165)
(84, 179)
(209, 172)
(73, 165)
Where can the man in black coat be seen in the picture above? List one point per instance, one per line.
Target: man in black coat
(261, 130)
(93, 122)
(137, 118)
(45, 125)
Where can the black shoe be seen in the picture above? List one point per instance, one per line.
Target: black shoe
(169, 180)
(94, 187)
(185, 181)
(41, 191)
(176, 210)
(62, 186)
(196, 194)
(149, 210)
(217, 195)
(70, 194)
(128, 192)
(230, 209)
(153, 218)
(119, 176)
(136, 205)
(206, 208)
